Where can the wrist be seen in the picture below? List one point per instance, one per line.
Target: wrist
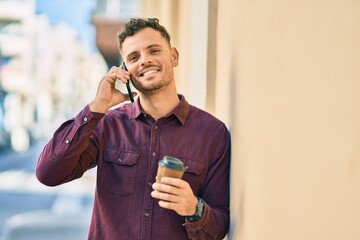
(96, 106)
(198, 211)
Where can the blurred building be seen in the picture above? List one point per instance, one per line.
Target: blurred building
(109, 18)
(47, 73)
(17, 83)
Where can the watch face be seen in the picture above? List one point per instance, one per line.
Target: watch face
(200, 208)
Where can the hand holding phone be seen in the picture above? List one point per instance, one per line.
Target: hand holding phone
(128, 85)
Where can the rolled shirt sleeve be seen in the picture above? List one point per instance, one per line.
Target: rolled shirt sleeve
(71, 151)
(215, 221)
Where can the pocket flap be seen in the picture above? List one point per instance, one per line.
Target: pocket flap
(120, 157)
(193, 166)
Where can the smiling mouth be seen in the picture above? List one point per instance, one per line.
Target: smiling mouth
(149, 72)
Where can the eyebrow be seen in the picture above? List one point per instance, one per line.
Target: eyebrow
(148, 47)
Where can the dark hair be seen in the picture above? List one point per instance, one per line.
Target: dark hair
(137, 24)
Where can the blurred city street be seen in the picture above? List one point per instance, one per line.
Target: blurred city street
(21, 161)
(28, 208)
(13, 166)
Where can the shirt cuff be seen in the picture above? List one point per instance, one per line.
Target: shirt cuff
(85, 115)
(199, 224)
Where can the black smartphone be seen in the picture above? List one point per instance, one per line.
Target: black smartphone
(128, 85)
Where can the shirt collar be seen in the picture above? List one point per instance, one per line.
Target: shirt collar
(181, 112)
(136, 109)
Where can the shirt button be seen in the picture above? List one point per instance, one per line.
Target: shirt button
(150, 184)
(85, 119)
(67, 141)
(120, 160)
(147, 214)
(156, 127)
(154, 154)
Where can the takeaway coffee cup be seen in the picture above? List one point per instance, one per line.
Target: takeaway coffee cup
(170, 167)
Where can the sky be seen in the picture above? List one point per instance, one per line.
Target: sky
(76, 13)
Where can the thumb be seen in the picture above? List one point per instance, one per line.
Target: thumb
(128, 98)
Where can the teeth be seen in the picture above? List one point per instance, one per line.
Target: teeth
(150, 72)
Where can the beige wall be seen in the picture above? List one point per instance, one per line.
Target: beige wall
(295, 70)
(288, 85)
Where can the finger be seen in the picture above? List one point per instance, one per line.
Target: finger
(176, 182)
(113, 70)
(119, 72)
(114, 76)
(123, 76)
(119, 97)
(111, 78)
(164, 196)
(168, 205)
(160, 187)
(134, 94)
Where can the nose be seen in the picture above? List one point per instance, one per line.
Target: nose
(145, 59)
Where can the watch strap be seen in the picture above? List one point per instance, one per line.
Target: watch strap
(198, 212)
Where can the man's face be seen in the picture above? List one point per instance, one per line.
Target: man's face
(150, 60)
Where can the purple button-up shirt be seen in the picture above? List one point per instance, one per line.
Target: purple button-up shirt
(126, 144)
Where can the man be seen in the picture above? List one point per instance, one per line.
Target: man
(126, 143)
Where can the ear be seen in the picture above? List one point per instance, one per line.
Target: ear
(174, 56)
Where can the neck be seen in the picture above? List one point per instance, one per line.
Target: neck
(159, 105)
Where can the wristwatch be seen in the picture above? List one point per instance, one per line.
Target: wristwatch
(198, 212)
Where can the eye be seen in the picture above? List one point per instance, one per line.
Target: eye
(154, 51)
(133, 58)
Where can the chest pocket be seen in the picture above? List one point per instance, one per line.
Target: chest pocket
(118, 171)
(194, 174)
